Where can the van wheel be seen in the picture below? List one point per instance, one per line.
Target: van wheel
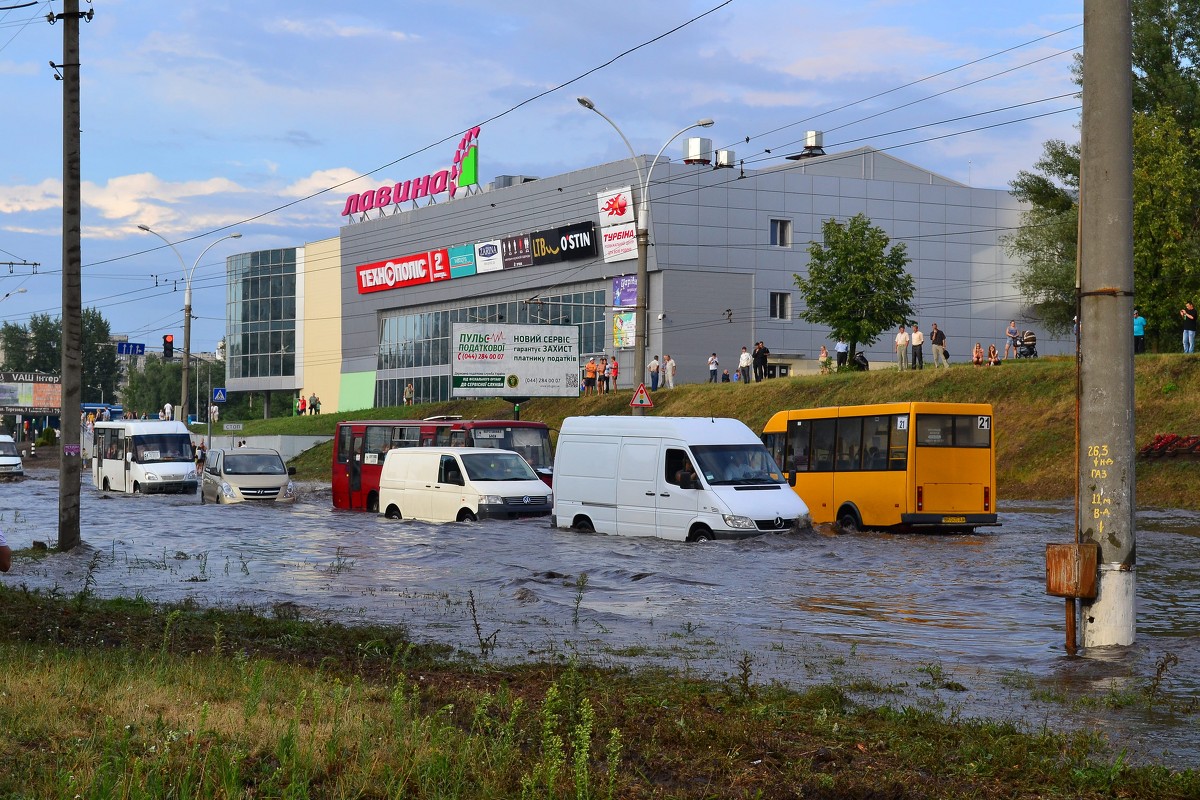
(702, 534)
(373, 503)
(848, 521)
(393, 513)
(466, 515)
(106, 488)
(583, 525)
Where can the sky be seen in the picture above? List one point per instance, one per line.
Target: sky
(203, 119)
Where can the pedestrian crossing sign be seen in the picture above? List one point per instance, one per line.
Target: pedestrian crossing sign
(641, 398)
(218, 394)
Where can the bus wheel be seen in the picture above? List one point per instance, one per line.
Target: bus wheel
(466, 515)
(393, 513)
(137, 488)
(702, 534)
(583, 525)
(848, 521)
(106, 484)
(373, 503)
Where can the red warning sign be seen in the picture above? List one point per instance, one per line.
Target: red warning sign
(641, 398)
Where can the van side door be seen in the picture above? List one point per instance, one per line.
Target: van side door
(637, 487)
(679, 492)
(445, 498)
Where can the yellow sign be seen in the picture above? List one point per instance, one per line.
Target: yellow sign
(641, 398)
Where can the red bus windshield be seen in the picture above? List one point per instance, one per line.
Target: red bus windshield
(360, 447)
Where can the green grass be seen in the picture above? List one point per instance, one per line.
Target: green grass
(123, 699)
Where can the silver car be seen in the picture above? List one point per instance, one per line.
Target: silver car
(246, 473)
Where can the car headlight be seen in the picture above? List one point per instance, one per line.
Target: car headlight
(227, 489)
(734, 521)
(289, 490)
(492, 500)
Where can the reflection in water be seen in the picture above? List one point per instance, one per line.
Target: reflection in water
(809, 607)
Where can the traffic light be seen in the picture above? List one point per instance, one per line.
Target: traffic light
(168, 346)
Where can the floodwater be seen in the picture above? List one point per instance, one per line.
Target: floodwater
(957, 623)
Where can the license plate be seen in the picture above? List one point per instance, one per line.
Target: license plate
(953, 520)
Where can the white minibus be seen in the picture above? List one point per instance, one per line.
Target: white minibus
(143, 456)
(686, 478)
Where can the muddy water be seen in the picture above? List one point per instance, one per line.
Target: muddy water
(959, 623)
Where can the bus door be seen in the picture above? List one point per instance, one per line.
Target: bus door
(809, 464)
(354, 465)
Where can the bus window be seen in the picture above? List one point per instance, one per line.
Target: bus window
(776, 444)
(849, 444)
(972, 431)
(377, 442)
(799, 434)
(875, 442)
(406, 436)
(822, 444)
(898, 449)
(343, 443)
(532, 443)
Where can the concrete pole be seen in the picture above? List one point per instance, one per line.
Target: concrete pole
(1106, 423)
(72, 295)
(187, 350)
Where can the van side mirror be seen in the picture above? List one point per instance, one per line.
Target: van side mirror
(291, 470)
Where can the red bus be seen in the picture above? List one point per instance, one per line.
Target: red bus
(360, 445)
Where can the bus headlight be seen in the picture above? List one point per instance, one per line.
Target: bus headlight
(734, 521)
(152, 476)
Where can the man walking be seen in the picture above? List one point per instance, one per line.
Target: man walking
(744, 364)
(937, 338)
(902, 348)
(918, 339)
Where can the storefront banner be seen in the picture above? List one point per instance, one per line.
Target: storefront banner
(624, 291)
(393, 274)
(616, 207)
(487, 256)
(462, 260)
(568, 243)
(30, 393)
(516, 251)
(619, 242)
(498, 360)
(624, 329)
(439, 265)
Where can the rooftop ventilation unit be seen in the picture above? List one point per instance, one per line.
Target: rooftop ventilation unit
(505, 181)
(725, 159)
(697, 150)
(813, 141)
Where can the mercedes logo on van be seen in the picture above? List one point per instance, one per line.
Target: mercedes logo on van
(778, 523)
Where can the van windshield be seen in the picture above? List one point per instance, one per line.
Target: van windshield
(8, 449)
(159, 447)
(737, 464)
(254, 464)
(498, 467)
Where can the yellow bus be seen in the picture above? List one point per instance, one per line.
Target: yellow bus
(908, 466)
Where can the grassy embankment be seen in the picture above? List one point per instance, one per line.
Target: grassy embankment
(1034, 402)
(117, 698)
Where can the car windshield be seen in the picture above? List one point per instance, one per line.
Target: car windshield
(737, 464)
(497, 467)
(254, 464)
(8, 449)
(159, 447)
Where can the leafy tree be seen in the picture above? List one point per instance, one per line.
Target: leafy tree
(856, 285)
(38, 348)
(155, 385)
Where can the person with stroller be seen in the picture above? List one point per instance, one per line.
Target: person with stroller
(1013, 337)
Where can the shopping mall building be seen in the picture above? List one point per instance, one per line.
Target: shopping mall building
(356, 317)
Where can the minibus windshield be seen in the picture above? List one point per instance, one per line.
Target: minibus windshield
(159, 447)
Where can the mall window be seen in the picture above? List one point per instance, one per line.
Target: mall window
(261, 314)
(781, 305)
(781, 233)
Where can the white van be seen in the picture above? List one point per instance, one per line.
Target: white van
(447, 484)
(10, 459)
(143, 456)
(686, 478)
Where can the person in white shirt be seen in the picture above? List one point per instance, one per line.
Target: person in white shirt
(713, 365)
(654, 369)
(918, 339)
(668, 371)
(902, 348)
(745, 361)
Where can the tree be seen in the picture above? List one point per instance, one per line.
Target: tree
(38, 348)
(856, 285)
(153, 387)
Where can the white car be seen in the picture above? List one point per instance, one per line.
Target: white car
(247, 473)
(10, 459)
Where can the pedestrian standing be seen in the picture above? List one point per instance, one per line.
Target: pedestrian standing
(745, 362)
(1139, 333)
(713, 365)
(668, 371)
(312, 403)
(841, 352)
(615, 369)
(902, 348)
(1011, 338)
(654, 368)
(937, 338)
(589, 376)
(1188, 315)
(602, 375)
(409, 394)
(302, 404)
(918, 356)
(760, 361)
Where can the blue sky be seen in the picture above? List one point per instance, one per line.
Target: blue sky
(201, 116)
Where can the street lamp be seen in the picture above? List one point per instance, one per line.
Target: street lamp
(22, 290)
(641, 334)
(187, 310)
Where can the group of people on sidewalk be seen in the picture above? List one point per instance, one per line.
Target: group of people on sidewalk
(309, 405)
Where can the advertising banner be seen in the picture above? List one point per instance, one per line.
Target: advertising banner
(624, 329)
(487, 256)
(619, 242)
(30, 393)
(462, 260)
(568, 243)
(624, 291)
(516, 251)
(498, 360)
(616, 206)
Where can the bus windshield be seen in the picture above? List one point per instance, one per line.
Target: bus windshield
(737, 464)
(162, 447)
(532, 443)
(498, 467)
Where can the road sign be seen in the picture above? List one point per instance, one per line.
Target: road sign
(233, 426)
(641, 398)
(219, 394)
(131, 348)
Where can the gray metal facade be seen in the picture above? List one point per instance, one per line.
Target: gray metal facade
(713, 269)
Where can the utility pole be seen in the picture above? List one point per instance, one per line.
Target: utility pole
(72, 264)
(1106, 445)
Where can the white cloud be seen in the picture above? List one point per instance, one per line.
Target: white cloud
(327, 28)
(39, 197)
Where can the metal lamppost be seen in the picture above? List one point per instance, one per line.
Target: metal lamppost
(641, 338)
(22, 290)
(187, 310)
